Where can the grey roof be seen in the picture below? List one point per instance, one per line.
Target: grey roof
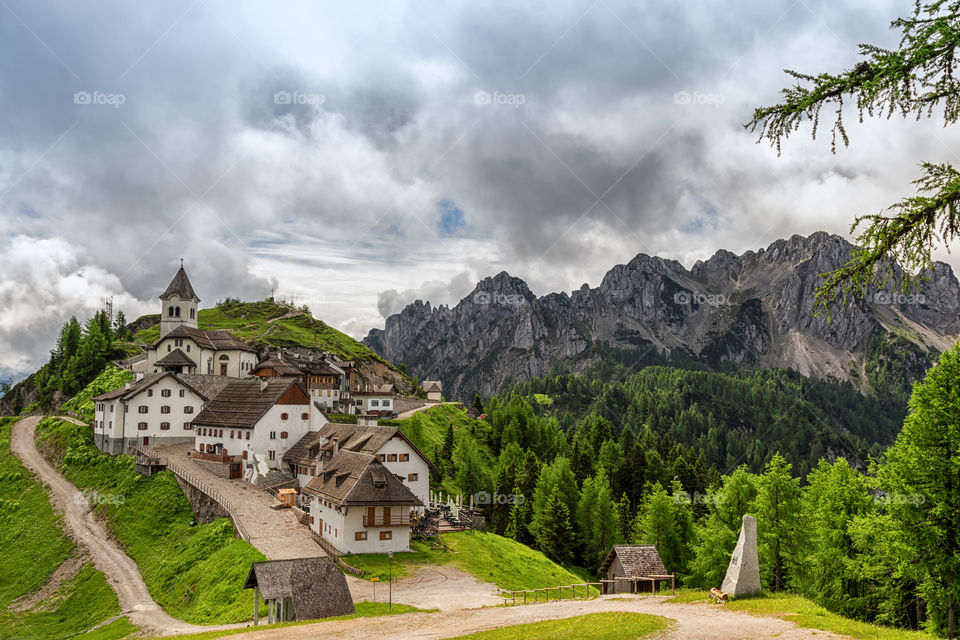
(315, 585)
(359, 479)
(350, 437)
(206, 385)
(638, 560)
(280, 365)
(386, 389)
(176, 358)
(432, 385)
(242, 403)
(216, 339)
(148, 380)
(180, 286)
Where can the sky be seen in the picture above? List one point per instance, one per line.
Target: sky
(356, 156)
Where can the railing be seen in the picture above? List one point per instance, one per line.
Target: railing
(547, 591)
(201, 486)
(400, 520)
(214, 457)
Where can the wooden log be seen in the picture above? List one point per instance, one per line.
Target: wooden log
(719, 596)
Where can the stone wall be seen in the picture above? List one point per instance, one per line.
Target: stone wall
(205, 508)
(218, 469)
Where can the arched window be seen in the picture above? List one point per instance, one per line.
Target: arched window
(193, 313)
(170, 312)
(224, 357)
(177, 313)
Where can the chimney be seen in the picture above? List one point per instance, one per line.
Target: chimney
(263, 385)
(336, 446)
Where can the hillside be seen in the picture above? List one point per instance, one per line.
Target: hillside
(756, 309)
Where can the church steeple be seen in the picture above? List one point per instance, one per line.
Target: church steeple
(178, 304)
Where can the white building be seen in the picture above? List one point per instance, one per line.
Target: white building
(377, 400)
(255, 419)
(358, 506)
(184, 348)
(306, 458)
(159, 408)
(434, 390)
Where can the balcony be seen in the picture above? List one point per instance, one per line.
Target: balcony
(392, 520)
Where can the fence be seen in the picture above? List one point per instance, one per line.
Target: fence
(546, 591)
(201, 486)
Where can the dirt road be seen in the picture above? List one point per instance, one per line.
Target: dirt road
(690, 622)
(431, 587)
(121, 571)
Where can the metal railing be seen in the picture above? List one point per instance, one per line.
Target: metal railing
(201, 486)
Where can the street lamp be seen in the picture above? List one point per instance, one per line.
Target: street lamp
(390, 606)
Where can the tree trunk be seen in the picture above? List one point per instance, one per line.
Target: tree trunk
(951, 614)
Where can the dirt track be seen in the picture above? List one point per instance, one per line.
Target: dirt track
(121, 571)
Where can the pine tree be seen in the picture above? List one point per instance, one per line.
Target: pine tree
(777, 509)
(554, 534)
(557, 475)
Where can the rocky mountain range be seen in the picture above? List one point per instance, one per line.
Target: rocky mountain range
(754, 309)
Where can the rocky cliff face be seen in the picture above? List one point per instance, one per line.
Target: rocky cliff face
(755, 309)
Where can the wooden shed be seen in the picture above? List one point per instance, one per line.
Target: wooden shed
(299, 589)
(633, 568)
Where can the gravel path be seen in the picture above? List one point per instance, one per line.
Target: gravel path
(691, 622)
(431, 587)
(275, 532)
(121, 571)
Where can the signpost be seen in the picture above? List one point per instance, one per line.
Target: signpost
(374, 580)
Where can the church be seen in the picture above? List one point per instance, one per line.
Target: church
(184, 348)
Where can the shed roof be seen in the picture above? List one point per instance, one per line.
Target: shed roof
(242, 403)
(317, 588)
(638, 560)
(359, 479)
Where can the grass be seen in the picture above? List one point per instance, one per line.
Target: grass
(363, 609)
(112, 377)
(194, 572)
(257, 321)
(35, 544)
(808, 614)
(593, 626)
(506, 563)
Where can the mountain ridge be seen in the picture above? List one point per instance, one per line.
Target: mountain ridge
(753, 309)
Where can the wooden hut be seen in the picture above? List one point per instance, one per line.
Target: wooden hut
(633, 568)
(299, 589)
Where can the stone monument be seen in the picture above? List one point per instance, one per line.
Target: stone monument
(743, 574)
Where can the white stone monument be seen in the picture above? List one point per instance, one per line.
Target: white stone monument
(743, 574)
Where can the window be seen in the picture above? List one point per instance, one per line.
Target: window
(142, 426)
(183, 393)
(164, 426)
(272, 455)
(142, 408)
(382, 457)
(187, 426)
(165, 409)
(188, 409)
(412, 477)
(386, 535)
(111, 408)
(188, 348)
(283, 435)
(374, 403)
(360, 535)
(304, 416)
(165, 393)
(392, 457)
(231, 433)
(248, 435)
(149, 393)
(177, 313)
(193, 314)
(284, 416)
(168, 347)
(273, 435)
(313, 471)
(404, 457)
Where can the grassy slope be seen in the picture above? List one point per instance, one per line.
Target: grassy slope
(806, 613)
(487, 556)
(195, 573)
(112, 377)
(251, 321)
(593, 626)
(34, 544)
